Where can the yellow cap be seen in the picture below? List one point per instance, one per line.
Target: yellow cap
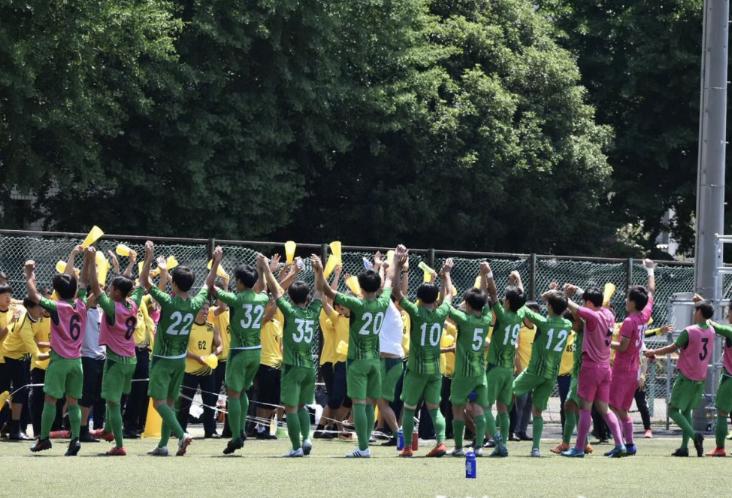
(94, 234)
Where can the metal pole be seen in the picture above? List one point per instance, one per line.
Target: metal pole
(711, 168)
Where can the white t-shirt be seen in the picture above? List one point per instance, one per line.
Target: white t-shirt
(90, 347)
(390, 337)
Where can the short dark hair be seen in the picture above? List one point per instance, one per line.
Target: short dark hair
(639, 295)
(534, 306)
(123, 285)
(369, 280)
(557, 301)
(5, 289)
(516, 297)
(299, 292)
(183, 278)
(593, 295)
(28, 303)
(64, 285)
(247, 275)
(475, 298)
(706, 308)
(428, 293)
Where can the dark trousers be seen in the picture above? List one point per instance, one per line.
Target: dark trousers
(14, 376)
(137, 402)
(520, 414)
(188, 389)
(38, 376)
(563, 382)
(446, 406)
(219, 375)
(640, 402)
(600, 428)
(92, 394)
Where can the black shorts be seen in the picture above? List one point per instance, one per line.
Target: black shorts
(334, 376)
(16, 375)
(92, 390)
(268, 386)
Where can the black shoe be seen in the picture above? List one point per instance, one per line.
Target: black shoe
(524, 437)
(513, 437)
(19, 436)
(265, 435)
(699, 444)
(211, 435)
(233, 445)
(681, 452)
(319, 433)
(41, 445)
(74, 447)
(390, 442)
(490, 444)
(85, 437)
(130, 435)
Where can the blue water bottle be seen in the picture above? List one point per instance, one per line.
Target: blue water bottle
(471, 469)
(400, 439)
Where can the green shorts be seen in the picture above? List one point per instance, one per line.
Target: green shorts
(391, 372)
(297, 385)
(64, 376)
(117, 380)
(723, 400)
(363, 379)
(166, 376)
(421, 386)
(572, 395)
(539, 387)
(461, 388)
(499, 382)
(686, 393)
(241, 368)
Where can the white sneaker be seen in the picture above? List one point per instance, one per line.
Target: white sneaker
(183, 444)
(357, 453)
(458, 452)
(307, 447)
(478, 452)
(535, 452)
(158, 452)
(295, 453)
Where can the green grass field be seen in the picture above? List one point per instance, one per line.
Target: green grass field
(259, 470)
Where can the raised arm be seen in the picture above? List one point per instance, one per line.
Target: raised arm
(218, 254)
(400, 257)
(145, 273)
(446, 281)
(320, 282)
(131, 261)
(287, 280)
(93, 280)
(487, 283)
(650, 267)
(263, 268)
(88, 269)
(30, 281)
(218, 345)
(71, 261)
(515, 279)
(569, 291)
(336, 277)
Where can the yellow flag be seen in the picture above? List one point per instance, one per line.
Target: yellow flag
(290, 247)
(94, 234)
(330, 265)
(426, 270)
(122, 250)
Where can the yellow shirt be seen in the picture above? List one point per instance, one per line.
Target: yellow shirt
(327, 327)
(447, 360)
(221, 321)
(200, 343)
(145, 328)
(525, 345)
(6, 320)
(42, 333)
(407, 321)
(565, 366)
(271, 338)
(20, 340)
(615, 338)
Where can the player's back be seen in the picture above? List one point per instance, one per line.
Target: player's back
(246, 313)
(549, 342)
(176, 319)
(367, 318)
(300, 328)
(470, 343)
(502, 350)
(694, 358)
(68, 324)
(597, 334)
(424, 336)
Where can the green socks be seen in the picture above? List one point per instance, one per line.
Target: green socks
(47, 417)
(360, 420)
(458, 426)
(683, 422)
(293, 429)
(720, 431)
(164, 435)
(244, 401)
(304, 417)
(408, 426)
(438, 421)
(479, 430)
(503, 424)
(114, 414)
(537, 428)
(74, 412)
(169, 419)
(235, 419)
(570, 423)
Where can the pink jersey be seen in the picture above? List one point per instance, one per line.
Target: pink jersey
(695, 357)
(119, 335)
(67, 328)
(633, 328)
(727, 357)
(597, 335)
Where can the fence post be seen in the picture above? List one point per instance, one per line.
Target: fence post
(628, 275)
(532, 276)
(432, 258)
(210, 245)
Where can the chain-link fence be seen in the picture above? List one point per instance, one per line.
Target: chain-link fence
(537, 271)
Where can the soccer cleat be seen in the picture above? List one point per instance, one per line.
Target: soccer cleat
(718, 452)
(478, 452)
(558, 449)
(699, 444)
(158, 451)
(390, 442)
(19, 436)
(233, 445)
(573, 453)
(588, 449)
(183, 444)
(41, 445)
(86, 437)
(631, 449)
(116, 452)
(458, 452)
(215, 435)
(681, 452)
(437, 452)
(617, 452)
(106, 435)
(535, 452)
(499, 451)
(307, 447)
(295, 453)
(648, 434)
(357, 453)
(74, 447)
(406, 452)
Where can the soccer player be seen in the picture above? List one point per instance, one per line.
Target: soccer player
(247, 307)
(298, 373)
(119, 305)
(42, 337)
(93, 356)
(473, 322)
(595, 374)
(639, 306)
(363, 372)
(219, 315)
(723, 400)
(177, 313)
(520, 413)
(64, 374)
(546, 355)
(695, 345)
(423, 379)
(501, 358)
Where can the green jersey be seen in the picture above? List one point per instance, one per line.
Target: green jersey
(246, 313)
(551, 337)
(367, 317)
(176, 320)
(300, 328)
(502, 352)
(424, 336)
(472, 332)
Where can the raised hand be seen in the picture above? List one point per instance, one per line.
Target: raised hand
(316, 263)
(570, 290)
(162, 263)
(149, 250)
(218, 254)
(485, 268)
(274, 263)
(649, 264)
(29, 268)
